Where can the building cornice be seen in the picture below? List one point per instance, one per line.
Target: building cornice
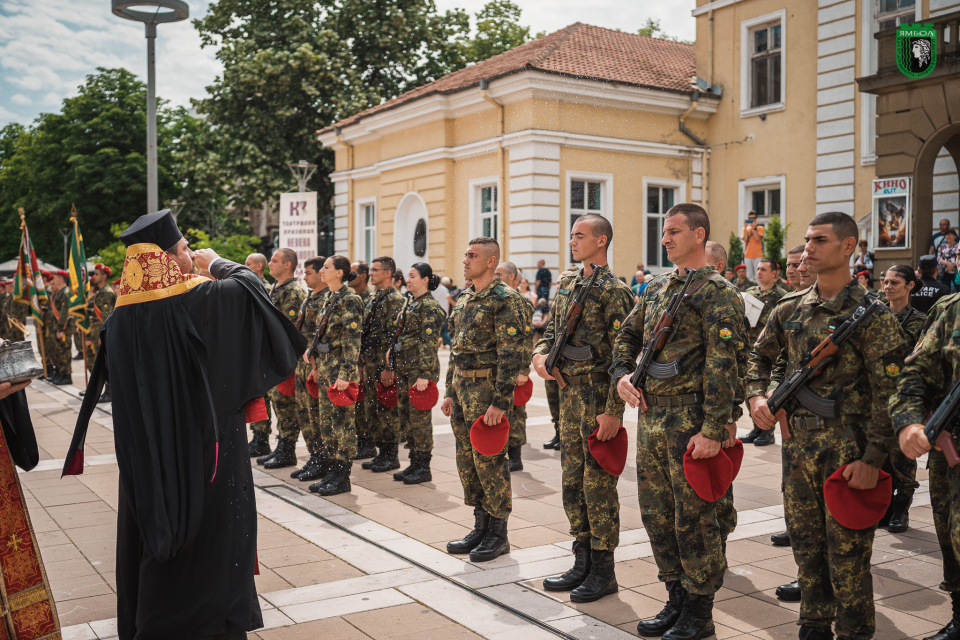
(712, 6)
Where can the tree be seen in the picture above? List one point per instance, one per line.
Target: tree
(735, 251)
(652, 30)
(773, 241)
(498, 29)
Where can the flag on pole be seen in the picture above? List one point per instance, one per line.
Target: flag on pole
(28, 285)
(79, 283)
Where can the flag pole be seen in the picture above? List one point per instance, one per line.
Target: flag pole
(40, 325)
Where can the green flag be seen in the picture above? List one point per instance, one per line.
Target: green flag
(79, 282)
(28, 284)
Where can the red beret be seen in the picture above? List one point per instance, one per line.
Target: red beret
(489, 440)
(46, 274)
(857, 508)
(522, 394)
(102, 267)
(63, 274)
(740, 266)
(709, 477)
(387, 395)
(289, 386)
(255, 410)
(343, 398)
(864, 273)
(426, 399)
(735, 453)
(313, 388)
(610, 454)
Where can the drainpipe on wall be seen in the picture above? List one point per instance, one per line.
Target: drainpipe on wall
(710, 51)
(350, 215)
(484, 85)
(694, 101)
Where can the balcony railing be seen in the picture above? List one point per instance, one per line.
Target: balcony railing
(947, 27)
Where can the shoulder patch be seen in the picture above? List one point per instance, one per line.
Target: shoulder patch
(726, 332)
(892, 365)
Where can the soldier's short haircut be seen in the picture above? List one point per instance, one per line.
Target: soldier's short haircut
(259, 259)
(510, 268)
(843, 225)
(288, 255)
(696, 216)
(717, 252)
(599, 226)
(363, 269)
(773, 263)
(489, 245)
(800, 248)
(315, 263)
(387, 263)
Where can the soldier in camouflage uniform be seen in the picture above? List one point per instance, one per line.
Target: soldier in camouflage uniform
(417, 363)
(553, 391)
(361, 286)
(6, 299)
(287, 295)
(690, 410)
(517, 416)
(308, 407)
(379, 330)
(742, 282)
(588, 403)
(834, 562)
(257, 262)
(337, 365)
(103, 303)
(488, 329)
(58, 330)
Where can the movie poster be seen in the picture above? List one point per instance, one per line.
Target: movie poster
(891, 213)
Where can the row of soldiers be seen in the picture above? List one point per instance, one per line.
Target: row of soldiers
(13, 314)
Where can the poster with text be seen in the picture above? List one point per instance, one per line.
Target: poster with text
(298, 226)
(891, 213)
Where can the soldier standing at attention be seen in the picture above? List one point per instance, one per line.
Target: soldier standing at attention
(260, 445)
(6, 299)
(379, 328)
(793, 261)
(308, 407)
(517, 416)
(287, 296)
(691, 410)
(361, 286)
(257, 262)
(488, 329)
(834, 562)
(104, 301)
(589, 403)
(58, 336)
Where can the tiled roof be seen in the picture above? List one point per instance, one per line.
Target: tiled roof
(580, 50)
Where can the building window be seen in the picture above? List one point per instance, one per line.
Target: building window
(489, 212)
(892, 13)
(585, 197)
(369, 232)
(766, 202)
(659, 201)
(765, 65)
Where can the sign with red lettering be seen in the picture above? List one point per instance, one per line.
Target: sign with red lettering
(298, 226)
(891, 213)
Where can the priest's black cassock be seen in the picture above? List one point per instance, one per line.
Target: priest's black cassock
(183, 355)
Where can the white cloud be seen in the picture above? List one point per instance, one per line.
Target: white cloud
(21, 99)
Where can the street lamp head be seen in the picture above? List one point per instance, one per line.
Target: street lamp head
(175, 207)
(176, 10)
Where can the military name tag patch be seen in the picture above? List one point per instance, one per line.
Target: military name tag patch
(563, 292)
(791, 326)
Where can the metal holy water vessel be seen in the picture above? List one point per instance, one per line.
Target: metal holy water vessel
(17, 362)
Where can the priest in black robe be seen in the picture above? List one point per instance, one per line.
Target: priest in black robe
(184, 354)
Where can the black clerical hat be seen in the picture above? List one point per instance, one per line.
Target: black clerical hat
(159, 228)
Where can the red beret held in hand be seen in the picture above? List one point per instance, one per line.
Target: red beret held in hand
(610, 454)
(856, 508)
(426, 399)
(489, 440)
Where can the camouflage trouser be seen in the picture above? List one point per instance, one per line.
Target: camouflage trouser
(308, 410)
(517, 416)
(288, 418)
(726, 514)
(93, 345)
(418, 425)
(833, 561)
(485, 479)
(58, 352)
(589, 493)
(944, 520)
(903, 472)
(360, 412)
(77, 340)
(337, 426)
(263, 426)
(382, 423)
(553, 401)
(683, 528)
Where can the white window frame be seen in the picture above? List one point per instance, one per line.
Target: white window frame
(606, 209)
(746, 50)
(649, 181)
(745, 202)
(475, 220)
(360, 226)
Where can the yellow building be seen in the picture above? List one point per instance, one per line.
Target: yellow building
(764, 110)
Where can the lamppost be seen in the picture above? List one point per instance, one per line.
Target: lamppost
(302, 171)
(177, 11)
(175, 207)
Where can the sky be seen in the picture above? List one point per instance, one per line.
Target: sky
(48, 47)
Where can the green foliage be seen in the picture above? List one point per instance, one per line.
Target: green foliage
(774, 238)
(652, 30)
(235, 248)
(735, 250)
(498, 30)
(113, 254)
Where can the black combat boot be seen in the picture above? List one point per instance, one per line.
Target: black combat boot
(317, 466)
(365, 449)
(952, 630)
(421, 469)
(263, 459)
(780, 539)
(400, 475)
(553, 443)
(79, 356)
(259, 444)
(494, 543)
(513, 454)
(105, 397)
(377, 459)
(695, 621)
(812, 633)
(668, 616)
(285, 455)
(390, 459)
(750, 437)
(574, 577)
(601, 581)
(789, 592)
(900, 516)
(339, 483)
(765, 438)
(63, 380)
(472, 539)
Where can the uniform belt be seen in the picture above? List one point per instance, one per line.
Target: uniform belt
(812, 423)
(475, 373)
(683, 400)
(596, 376)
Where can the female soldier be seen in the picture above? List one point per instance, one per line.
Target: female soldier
(336, 365)
(417, 364)
(898, 283)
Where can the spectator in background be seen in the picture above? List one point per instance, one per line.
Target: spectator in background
(928, 290)
(636, 277)
(544, 278)
(641, 283)
(524, 290)
(752, 237)
(863, 259)
(947, 258)
(866, 279)
(939, 237)
(742, 283)
(398, 282)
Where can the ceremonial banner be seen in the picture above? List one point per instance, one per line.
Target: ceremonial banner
(28, 284)
(79, 282)
(298, 226)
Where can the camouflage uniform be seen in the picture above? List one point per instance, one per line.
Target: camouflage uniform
(589, 492)
(517, 416)
(363, 428)
(308, 407)
(419, 358)
(343, 335)
(834, 562)
(18, 311)
(100, 307)
(379, 329)
(726, 511)
(769, 298)
(6, 301)
(553, 401)
(705, 340)
(263, 426)
(488, 328)
(287, 296)
(745, 285)
(58, 349)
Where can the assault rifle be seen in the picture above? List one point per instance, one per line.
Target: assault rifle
(368, 321)
(652, 347)
(317, 347)
(395, 345)
(938, 426)
(561, 352)
(812, 365)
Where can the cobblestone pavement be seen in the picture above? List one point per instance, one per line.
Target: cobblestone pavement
(370, 564)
